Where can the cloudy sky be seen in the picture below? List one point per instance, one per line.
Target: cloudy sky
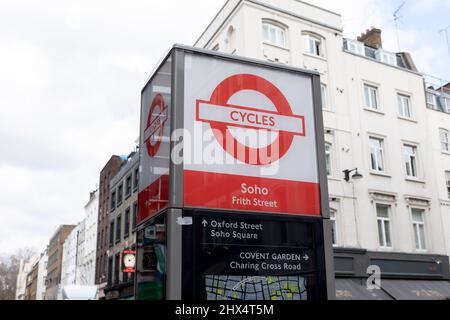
(70, 78)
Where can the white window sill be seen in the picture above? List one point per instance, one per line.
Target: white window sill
(374, 110)
(414, 179)
(307, 54)
(380, 174)
(329, 109)
(407, 119)
(276, 46)
(333, 178)
(421, 251)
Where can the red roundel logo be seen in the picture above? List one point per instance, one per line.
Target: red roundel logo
(154, 130)
(221, 115)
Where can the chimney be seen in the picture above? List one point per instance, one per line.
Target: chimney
(372, 38)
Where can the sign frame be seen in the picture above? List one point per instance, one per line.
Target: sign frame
(176, 207)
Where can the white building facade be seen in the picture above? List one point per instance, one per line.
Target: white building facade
(42, 275)
(70, 256)
(86, 265)
(79, 249)
(376, 120)
(25, 267)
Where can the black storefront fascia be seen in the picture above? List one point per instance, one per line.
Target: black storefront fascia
(120, 291)
(403, 276)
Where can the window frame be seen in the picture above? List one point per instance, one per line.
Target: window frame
(329, 155)
(278, 29)
(136, 179)
(401, 106)
(368, 97)
(324, 95)
(127, 222)
(359, 47)
(334, 227)
(383, 241)
(421, 237)
(118, 228)
(407, 157)
(447, 182)
(379, 152)
(128, 185)
(318, 48)
(444, 139)
(431, 104)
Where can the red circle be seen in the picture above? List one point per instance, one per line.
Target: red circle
(158, 101)
(222, 94)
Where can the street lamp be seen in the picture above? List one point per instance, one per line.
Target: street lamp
(355, 176)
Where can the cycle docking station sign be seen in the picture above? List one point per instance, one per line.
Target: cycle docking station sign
(232, 174)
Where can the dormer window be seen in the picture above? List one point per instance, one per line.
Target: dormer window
(274, 34)
(431, 100)
(386, 57)
(355, 47)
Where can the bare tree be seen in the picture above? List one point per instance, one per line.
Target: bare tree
(9, 268)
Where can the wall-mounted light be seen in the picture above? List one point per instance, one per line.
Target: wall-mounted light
(356, 176)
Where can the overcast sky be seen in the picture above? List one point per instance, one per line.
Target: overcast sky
(71, 75)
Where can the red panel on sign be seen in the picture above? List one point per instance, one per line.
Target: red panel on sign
(225, 191)
(153, 198)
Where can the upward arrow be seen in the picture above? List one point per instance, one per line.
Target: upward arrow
(204, 223)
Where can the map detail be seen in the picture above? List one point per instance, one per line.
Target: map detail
(256, 288)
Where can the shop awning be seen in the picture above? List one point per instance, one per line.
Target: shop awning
(417, 289)
(355, 289)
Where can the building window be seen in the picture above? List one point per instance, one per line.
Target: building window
(377, 154)
(111, 234)
(136, 179)
(323, 94)
(116, 268)
(444, 138)
(274, 34)
(135, 213)
(419, 228)
(410, 155)
(431, 100)
(314, 45)
(110, 270)
(128, 186)
(113, 200)
(445, 104)
(334, 237)
(371, 96)
(384, 226)
(386, 57)
(355, 47)
(447, 180)
(118, 228)
(127, 223)
(404, 106)
(119, 194)
(328, 150)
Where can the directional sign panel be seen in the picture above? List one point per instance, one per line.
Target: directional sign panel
(254, 258)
